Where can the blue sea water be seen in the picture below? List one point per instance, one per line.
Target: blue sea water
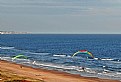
(54, 52)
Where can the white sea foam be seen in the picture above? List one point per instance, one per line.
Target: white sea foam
(39, 53)
(104, 59)
(96, 58)
(108, 59)
(6, 47)
(69, 56)
(61, 55)
(6, 58)
(118, 73)
(54, 66)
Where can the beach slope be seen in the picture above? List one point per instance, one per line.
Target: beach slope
(12, 72)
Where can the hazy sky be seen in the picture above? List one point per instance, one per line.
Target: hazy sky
(61, 16)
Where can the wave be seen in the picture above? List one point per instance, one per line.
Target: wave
(104, 59)
(39, 53)
(52, 65)
(6, 58)
(60, 55)
(78, 69)
(115, 60)
(6, 47)
(110, 75)
(107, 59)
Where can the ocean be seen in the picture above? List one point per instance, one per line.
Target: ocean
(54, 52)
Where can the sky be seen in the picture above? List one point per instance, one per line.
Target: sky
(61, 16)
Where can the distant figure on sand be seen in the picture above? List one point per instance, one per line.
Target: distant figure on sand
(81, 68)
(34, 62)
(21, 66)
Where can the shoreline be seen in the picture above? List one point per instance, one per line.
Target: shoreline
(30, 74)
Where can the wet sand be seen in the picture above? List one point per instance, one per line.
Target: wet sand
(12, 72)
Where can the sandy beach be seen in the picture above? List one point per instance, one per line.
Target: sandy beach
(12, 72)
